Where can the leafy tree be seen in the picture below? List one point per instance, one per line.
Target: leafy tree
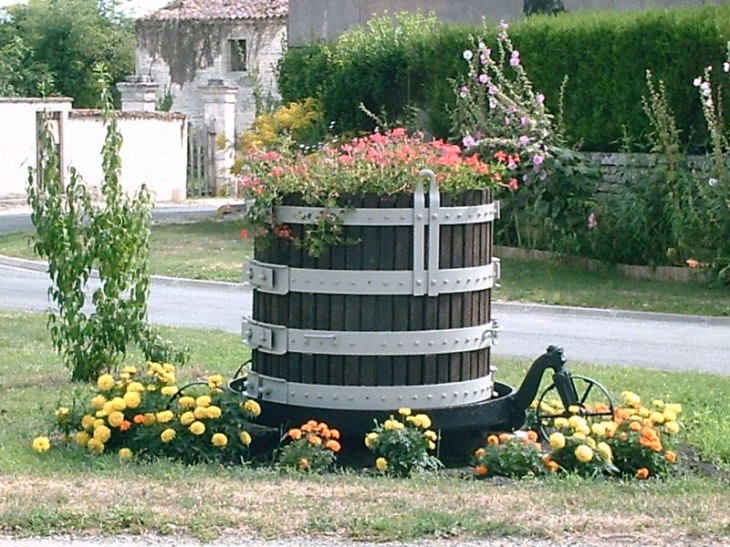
(51, 47)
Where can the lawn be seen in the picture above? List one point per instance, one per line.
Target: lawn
(68, 491)
(214, 250)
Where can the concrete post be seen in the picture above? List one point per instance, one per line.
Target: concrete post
(219, 119)
(139, 94)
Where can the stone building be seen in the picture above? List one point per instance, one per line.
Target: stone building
(193, 52)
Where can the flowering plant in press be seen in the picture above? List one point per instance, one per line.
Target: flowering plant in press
(382, 164)
(312, 447)
(402, 445)
(144, 413)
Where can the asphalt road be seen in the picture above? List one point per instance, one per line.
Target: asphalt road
(662, 341)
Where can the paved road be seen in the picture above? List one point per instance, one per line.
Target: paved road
(670, 342)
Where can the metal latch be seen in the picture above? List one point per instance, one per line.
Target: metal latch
(270, 278)
(265, 337)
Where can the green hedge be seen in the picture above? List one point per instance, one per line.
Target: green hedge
(604, 54)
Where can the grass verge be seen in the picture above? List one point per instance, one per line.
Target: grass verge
(214, 250)
(67, 491)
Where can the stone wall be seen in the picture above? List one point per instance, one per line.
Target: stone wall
(180, 63)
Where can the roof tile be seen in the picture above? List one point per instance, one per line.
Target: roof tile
(221, 9)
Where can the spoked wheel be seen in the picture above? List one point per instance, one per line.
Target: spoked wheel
(582, 396)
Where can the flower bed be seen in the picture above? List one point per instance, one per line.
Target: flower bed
(142, 414)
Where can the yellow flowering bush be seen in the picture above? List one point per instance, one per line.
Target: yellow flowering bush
(509, 455)
(142, 412)
(402, 445)
(311, 448)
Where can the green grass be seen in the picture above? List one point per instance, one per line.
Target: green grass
(213, 249)
(68, 491)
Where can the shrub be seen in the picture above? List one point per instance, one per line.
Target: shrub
(143, 413)
(312, 448)
(402, 445)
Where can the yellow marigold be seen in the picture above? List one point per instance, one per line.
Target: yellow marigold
(431, 445)
(215, 381)
(101, 413)
(590, 441)
(219, 440)
(197, 428)
(98, 423)
(669, 415)
(574, 409)
(87, 422)
(658, 403)
(200, 413)
(599, 430)
(108, 408)
(82, 438)
(203, 401)
(213, 412)
(371, 439)
(167, 367)
(130, 369)
(118, 403)
(577, 422)
(584, 453)
(390, 425)
(168, 378)
(580, 435)
(557, 440)
(125, 454)
(656, 417)
(604, 451)
(186, 402)
(671, 427)
(424, 421)
(187, 418)
(164, 416)
(431, 435)
(382, 464)
(115, 419)
(124, 376)
(151, 387)
(168, 435)
(561, 423)
(149, 419)
(102, 433)
(105, 382)
(252, 407)
(585, 430)
(132, 399)
(97, 402)
(245, 438)
(95, 446)
(62, 414)
(169, 391)
(673, 407)
(135, 387)
(41, 444)
(631, 398)
(405, 411)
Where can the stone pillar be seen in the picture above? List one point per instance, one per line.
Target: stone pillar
(139, 94)
(219, 118)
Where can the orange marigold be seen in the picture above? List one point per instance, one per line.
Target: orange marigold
(532, 436)
(304, 463)
(295, 434)
(314, 439)
(480, 452)
(642, 473)
(635, 426)
(553, 466)
(333, 445)
(334, 434)
(481, 470)
(125, 425)
(656, 446)
(671, 456)
(504, 437)
(138, 419)
(492, 440)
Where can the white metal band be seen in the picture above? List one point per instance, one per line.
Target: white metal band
(279, 279)
(429, 396)
(279, 340)
(469, 214)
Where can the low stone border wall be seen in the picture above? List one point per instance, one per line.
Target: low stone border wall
(660, 273)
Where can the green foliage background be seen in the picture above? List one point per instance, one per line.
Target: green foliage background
(49, 47)
(604, 55)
